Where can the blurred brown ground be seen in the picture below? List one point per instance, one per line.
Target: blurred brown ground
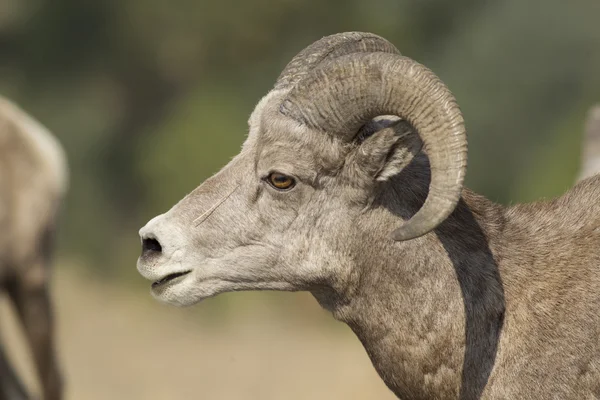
(118, 343)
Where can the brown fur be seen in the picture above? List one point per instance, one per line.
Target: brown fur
(495, 303)
(32, 183)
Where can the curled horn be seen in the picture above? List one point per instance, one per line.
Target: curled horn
(329, 48)
(342, 95)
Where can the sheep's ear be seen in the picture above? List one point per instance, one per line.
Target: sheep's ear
(385, 147)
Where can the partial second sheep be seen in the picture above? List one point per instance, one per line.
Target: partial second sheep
(590, 149)
(33, 182)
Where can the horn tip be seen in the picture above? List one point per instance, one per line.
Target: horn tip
(402, 234)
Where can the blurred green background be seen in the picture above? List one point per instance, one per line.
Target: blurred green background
(151, 97)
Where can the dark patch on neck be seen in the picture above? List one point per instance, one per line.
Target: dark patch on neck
(482, 290)
(466, 242)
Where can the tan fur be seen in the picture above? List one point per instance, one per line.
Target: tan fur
(495, 303)
(33, 181)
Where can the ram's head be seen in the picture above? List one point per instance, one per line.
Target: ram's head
(289, 212)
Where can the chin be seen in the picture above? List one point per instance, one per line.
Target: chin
(184, 292)
(178, 294)
(174, 299)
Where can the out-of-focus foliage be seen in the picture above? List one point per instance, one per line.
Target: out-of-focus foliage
(151, 97)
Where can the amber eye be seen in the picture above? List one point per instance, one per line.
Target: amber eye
(280, 181)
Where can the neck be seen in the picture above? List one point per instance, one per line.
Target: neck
(428, 311)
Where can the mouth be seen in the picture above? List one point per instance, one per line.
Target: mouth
(169, 278)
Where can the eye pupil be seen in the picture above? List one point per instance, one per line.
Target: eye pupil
(281, 181)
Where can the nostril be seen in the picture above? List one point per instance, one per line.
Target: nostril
(151, 245)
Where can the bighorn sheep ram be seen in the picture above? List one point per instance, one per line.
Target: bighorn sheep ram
(33, 180)
(465, 299)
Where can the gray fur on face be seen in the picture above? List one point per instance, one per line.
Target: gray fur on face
(495, 302)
